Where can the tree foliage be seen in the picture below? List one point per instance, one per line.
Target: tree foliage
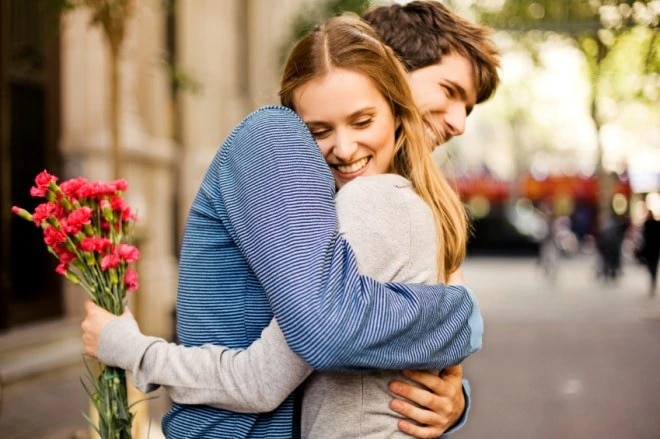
(315, 13)
(617, 38)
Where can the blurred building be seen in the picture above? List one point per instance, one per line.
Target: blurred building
(54, 115)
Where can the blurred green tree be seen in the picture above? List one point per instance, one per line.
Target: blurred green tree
(617, 38)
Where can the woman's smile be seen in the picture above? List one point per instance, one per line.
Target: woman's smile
(351, 168)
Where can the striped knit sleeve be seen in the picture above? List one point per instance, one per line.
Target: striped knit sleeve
(276, 192)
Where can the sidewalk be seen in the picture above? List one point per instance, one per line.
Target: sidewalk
(51, 406)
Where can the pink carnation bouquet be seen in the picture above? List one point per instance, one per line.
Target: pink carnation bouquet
(88, 227)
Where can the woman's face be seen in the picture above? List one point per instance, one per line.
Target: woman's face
(351, 121)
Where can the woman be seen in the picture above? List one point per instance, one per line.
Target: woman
(353, 95)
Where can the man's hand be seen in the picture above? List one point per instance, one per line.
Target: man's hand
(95, 320)
(441, 401)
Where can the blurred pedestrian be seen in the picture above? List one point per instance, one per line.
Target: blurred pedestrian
(649, 251)
(609, 245)
(549, 254)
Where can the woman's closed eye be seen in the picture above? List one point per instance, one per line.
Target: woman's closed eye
(320, 133)
(363, 123)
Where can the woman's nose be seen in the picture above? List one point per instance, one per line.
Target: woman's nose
(344, 147)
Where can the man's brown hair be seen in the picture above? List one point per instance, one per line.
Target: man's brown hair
(422, 32)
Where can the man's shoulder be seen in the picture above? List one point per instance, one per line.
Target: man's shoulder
(267, 128)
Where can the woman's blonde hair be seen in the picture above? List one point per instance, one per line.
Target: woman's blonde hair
(349, 43)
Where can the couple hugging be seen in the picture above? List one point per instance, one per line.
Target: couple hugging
(305, 290)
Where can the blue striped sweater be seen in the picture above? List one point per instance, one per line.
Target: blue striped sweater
(261, 240)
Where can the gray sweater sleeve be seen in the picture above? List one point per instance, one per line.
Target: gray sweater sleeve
(252, 380)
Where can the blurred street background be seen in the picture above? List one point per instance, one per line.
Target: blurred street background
(560, 172)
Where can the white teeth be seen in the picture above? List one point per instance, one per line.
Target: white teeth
(436, 138)
(353, 167)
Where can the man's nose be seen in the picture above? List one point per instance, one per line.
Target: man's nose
(455, 120)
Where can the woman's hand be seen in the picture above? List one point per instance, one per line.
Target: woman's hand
(441, 401)
(95, 320)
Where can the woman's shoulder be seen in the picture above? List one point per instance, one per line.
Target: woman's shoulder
(382, 186)
(379, 181)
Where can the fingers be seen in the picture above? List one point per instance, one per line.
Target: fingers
(436, 406)
(418, 431)
(412, 393)
(422, 415)
(92, 325)
(89, 339)
(447, 383)
(424, 407)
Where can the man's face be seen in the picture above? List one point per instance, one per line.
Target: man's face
(445, 94)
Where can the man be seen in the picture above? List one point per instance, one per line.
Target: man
(452, 67)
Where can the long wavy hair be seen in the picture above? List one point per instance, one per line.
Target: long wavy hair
(347, 42)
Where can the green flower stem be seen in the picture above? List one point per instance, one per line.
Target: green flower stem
(111, 400)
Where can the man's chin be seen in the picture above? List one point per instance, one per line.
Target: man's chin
(433, 143)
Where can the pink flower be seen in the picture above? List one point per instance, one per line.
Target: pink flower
(128, 252)
(52, 236)
(128, 214)
(110, 261)
(131, 279)
(97, 189)
(61, 269)
(42, 180)
(120, 185)
(65, 256)
(117, 203)
(43, 211)
(72, 187)
(78, 218)
(95, 244)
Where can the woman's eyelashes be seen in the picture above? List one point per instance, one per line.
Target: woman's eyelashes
(321, 132)
(363, 123)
